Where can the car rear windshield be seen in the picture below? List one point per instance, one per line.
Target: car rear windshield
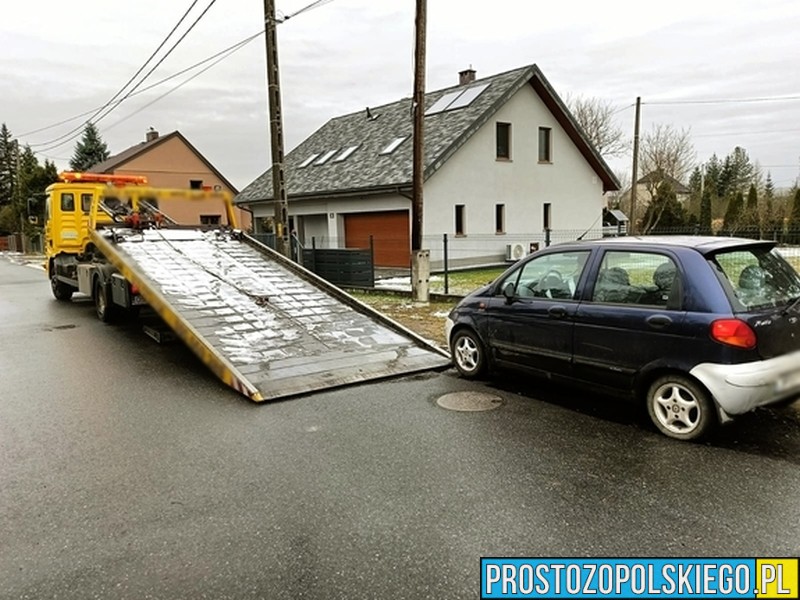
(756, 278)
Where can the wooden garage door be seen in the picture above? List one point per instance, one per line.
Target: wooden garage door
(390, 234)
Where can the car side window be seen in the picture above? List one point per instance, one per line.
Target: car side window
(641, 278)
(552, 276)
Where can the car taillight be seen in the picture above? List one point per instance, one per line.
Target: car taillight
(134, 289)
(733, 332)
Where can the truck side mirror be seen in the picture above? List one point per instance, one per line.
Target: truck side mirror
(32, 205)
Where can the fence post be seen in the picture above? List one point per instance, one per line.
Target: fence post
(314, 253)
(446, 272)
(372, 258)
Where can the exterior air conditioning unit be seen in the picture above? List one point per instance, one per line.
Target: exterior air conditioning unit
(515, 251)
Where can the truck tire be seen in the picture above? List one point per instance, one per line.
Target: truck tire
(61, 290)
(102, 303)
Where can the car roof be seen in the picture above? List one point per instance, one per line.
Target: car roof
(700, 243)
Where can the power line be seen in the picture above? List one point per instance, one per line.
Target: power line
(226, 52)
(179, 86)
(51, 145)
(725, 100)
(152, 85)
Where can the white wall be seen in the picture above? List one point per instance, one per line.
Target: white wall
(475, 178)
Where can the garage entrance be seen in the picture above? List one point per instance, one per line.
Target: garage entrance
(390, 235)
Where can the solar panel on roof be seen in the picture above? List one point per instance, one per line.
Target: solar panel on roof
(442, 103)
(457, 99)
(467, 97)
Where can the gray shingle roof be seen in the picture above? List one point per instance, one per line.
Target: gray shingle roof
(367, 170)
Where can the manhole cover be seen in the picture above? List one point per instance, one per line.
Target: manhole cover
(470, 401)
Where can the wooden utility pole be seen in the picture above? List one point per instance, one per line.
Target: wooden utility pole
(420, 259)
(282, 241)
(635, 171)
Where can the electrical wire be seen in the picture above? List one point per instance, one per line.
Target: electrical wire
(134, 92)
(152, 85)
(179, 86)
(100, 115)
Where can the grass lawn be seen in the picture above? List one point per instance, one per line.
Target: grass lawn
(426, 320)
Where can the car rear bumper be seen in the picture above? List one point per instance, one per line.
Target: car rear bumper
(740, 388)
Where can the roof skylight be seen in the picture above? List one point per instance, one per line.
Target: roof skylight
(308, 161)
(345, 154)
(326, 157)
(393, 145)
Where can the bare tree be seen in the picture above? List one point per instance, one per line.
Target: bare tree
(667, 152)
(596, 117)
(666, 155)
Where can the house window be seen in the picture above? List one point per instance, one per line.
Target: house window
(460, 219)
(210, 219)
(545, 145)
(504, 141)
(547, 223)
(500, 218)
(196, 184)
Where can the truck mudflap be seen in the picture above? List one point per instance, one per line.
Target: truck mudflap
(264, 325)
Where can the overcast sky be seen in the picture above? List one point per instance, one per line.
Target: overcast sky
(59, 60)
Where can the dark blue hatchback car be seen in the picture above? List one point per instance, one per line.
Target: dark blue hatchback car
(699, 328)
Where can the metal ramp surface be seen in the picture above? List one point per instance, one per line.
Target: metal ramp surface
(264, 325)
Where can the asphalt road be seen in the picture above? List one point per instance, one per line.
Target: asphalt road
(128, 471)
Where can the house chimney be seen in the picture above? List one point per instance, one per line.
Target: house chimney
(466, 76)
(151, 135)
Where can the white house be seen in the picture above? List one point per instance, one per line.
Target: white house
(504, 162)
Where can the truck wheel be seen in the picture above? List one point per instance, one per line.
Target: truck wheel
(102, 305)
(61, 290)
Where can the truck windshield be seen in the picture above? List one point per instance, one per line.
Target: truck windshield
(757, 277)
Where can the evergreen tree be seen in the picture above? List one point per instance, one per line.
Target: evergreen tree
(705, 208)
(695, 191)
(90, 150)
(664, 213)
(769, 220)
(734, 212)
(8, 165)
(750, 218)
(794, 219)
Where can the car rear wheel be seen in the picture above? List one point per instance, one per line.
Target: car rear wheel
(680, 408)
(468, 354)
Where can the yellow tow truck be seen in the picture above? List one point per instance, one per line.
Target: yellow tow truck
(263, 324)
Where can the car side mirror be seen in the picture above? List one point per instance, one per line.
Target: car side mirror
(509, 291)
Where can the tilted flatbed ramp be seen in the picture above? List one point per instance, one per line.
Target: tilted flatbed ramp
(265, 326)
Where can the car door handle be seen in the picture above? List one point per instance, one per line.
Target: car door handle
(558, 312)
(659, 321)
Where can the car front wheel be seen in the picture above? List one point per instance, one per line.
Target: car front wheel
(468, 354)
(680, 408)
